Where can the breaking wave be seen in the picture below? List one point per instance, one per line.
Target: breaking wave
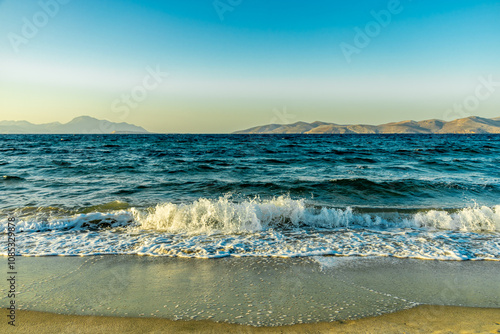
(284, 227)
(223, 215)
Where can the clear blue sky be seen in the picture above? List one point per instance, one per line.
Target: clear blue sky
(264, 61)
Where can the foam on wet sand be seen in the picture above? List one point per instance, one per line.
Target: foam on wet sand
(251, 291)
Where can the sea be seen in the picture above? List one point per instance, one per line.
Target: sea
(432, 197)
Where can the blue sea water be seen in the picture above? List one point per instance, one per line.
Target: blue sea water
(209, 196)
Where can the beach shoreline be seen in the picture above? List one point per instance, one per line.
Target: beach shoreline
(420, 319)
(260, 292)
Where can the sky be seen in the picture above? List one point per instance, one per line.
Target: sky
(205, 66)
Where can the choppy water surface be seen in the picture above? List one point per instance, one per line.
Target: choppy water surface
(409, 196)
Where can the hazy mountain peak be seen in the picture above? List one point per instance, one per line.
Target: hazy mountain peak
(15, 123)
(82, 119)
(78, 125)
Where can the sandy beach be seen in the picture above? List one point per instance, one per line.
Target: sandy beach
(229, 166)
(128, 294)
(421, 319)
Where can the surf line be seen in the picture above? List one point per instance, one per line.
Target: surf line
(409, 302)
(11, 269)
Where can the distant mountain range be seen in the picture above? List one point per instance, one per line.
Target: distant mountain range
(90, 125)
(467, 125)
(79, 125)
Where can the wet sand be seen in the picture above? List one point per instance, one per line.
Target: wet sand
(130, 294)
(421, 319)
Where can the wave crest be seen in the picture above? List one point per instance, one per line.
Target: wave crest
(223, 215)
(468, 219)
(89, 221)
(253, 215)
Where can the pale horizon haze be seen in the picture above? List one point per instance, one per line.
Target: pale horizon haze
(199, 66)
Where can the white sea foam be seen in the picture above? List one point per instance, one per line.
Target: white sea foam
(468, 219)
(226, 216)
(277, 227)
(81, 221)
